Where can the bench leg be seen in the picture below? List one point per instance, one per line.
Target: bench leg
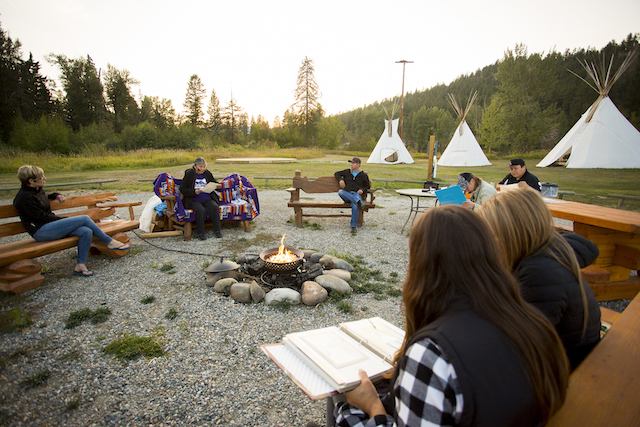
(21, 276)
(186, 233)
(360, 217)
(98, 246)
(298, 215)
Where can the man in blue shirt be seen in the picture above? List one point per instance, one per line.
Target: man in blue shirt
(354, 184)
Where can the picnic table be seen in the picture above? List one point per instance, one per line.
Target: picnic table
(616, 232)
(604, 388)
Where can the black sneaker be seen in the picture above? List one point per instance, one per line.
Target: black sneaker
(354, 230)
(361, 204)
(218, 235)
(202, 237)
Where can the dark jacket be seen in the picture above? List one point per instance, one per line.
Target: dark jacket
(494, 384)
(528, 177)
(354, 183)
(187, 187)
(33, 208)
(553, 289)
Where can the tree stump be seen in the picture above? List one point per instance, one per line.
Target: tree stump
(21, 276)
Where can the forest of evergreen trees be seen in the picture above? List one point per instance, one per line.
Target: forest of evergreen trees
(526, 102)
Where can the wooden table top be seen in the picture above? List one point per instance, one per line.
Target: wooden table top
(599, 216)
(605, 388)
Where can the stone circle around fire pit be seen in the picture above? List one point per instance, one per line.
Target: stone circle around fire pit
(309, 283)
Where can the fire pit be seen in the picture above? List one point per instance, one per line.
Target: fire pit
(282, 259)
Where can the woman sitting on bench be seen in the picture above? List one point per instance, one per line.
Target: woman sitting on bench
(32, 204)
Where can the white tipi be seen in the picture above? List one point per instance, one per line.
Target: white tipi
(463, 149)
(390, 149)
(603, 137)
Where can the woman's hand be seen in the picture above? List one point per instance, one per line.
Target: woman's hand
(198, 192)
(60, 198)
(468, 204)
(366, 397)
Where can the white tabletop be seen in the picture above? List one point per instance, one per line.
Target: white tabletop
(415, 192)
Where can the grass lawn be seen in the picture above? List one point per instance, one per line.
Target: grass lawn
(590, 185)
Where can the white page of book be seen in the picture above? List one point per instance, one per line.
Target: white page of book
(337, 354)
(384, 338)
(310, 382)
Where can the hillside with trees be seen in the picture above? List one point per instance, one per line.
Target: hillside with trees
(526, 103)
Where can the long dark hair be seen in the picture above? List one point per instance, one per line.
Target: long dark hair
(453, 253)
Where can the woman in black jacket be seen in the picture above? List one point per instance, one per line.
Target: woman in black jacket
(32, 204)
(547, 265)
(204, 203)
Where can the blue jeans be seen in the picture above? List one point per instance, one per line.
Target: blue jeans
(353, 198)
(81, 226)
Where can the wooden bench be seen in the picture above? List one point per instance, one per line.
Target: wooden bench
(622, 198)
(604, 388)
(20, 273)
(322, 184)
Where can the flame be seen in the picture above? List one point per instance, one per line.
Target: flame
(283, 255)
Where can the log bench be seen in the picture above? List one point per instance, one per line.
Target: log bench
(19, 272)
(604, 388)
(322, 184)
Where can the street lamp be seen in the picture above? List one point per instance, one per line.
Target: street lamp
(403, 62)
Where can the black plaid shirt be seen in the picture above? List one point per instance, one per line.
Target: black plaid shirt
(426, 392)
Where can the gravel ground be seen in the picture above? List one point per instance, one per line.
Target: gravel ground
(214, 372)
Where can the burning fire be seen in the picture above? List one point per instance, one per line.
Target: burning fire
(283, 256)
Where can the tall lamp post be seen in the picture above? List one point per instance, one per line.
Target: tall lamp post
(404, 63)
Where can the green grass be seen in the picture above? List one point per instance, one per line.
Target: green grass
(14, 320)
(148, 299)
(132, 347)
(37, 379)
(590, 185)
(100, 315)
(171, 314)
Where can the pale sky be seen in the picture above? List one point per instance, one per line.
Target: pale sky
(255, 47)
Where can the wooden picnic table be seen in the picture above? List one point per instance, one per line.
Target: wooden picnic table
(616, 232)
(604, 388)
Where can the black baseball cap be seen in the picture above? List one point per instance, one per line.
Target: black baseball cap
(516, 162)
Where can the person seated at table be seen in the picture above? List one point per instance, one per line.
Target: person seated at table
(479, 190)
(202, 202)
(354, 184)
(474, 353)
(520, 175)
(32, 205)
(547, 264)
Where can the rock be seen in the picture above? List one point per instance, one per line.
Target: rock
(315, 258)
(222, 286)
(327, 261)
(342, 265)
(257, 293)
(335, 283)
(312, 293)
(308, 253)
(247, 258)
(343, 274)
(212, 278)
(278, 295)
(240, 292)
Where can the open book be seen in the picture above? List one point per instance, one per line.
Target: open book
(451, 195)
(210, 187)
(326, 361)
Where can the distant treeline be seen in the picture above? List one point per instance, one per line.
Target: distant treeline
(526, 102)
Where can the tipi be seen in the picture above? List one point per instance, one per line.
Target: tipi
(390, 149)
(463, 149)
(603, 137)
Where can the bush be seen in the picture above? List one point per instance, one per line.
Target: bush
(46, 134)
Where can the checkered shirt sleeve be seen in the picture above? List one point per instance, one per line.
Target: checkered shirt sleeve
(426, 393)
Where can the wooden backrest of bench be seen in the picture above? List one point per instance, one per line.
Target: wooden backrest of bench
(322, 184)
(88, 201)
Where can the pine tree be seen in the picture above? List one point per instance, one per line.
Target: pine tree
(193, 101)
(307, 108)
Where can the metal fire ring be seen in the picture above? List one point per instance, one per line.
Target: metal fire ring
(278, 267)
